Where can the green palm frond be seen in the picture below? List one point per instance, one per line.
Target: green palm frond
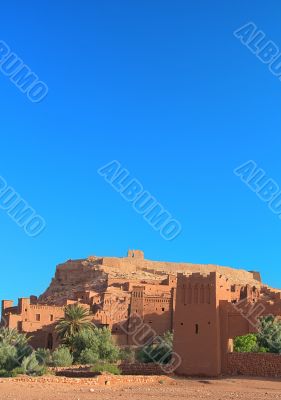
(75, 320)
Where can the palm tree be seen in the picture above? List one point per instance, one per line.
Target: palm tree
(75, 320)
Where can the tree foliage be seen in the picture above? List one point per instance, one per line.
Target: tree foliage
(269, 335)
(246, 343)
(268, 338)
(75, 320)
(94, 344)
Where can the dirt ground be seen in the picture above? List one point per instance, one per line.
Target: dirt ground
(134, 388)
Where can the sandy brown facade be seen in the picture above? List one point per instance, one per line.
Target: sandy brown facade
(205, 305)
(111, 290)
(210, 312)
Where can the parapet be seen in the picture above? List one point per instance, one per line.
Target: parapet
(212, 285)
(136, 254)
(196, 277)
(256, 275)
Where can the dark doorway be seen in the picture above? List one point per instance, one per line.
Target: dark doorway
(50, 341)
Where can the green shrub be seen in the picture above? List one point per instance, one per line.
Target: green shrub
(158, 351)
(81, 341)
(268, 339)
(5, 374)
(105, 367)
(269, 336)
(262, 350)
(30, 366)
(127, 354)
(99, 341)
(38, 371)
(88, 356)
(16, 355)
(14, 348)
(246, 343)
(61, 357)
(17, 371)
(23, 347)
(43, 356)
(8, 357)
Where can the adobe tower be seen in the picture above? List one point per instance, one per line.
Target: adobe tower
(197, 323)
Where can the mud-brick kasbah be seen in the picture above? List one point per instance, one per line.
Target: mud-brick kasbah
(206, 306)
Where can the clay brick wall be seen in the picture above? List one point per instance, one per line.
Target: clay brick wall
(254, 364)
(197, 323)
(141, 369)
(29, 317)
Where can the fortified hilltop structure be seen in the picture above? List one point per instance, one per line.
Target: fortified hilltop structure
(137, 299)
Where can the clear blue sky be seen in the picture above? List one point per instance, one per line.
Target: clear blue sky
(165, 88)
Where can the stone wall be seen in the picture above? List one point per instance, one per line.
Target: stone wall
(254, 364)
(141, 369)
(83, 371)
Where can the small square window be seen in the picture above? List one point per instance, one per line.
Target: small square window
(37, 317)
(163, 309)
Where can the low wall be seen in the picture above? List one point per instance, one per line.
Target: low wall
(254, 364)
(141, 369)
(83, 371)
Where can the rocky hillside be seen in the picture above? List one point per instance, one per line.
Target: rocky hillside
(92, 274)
